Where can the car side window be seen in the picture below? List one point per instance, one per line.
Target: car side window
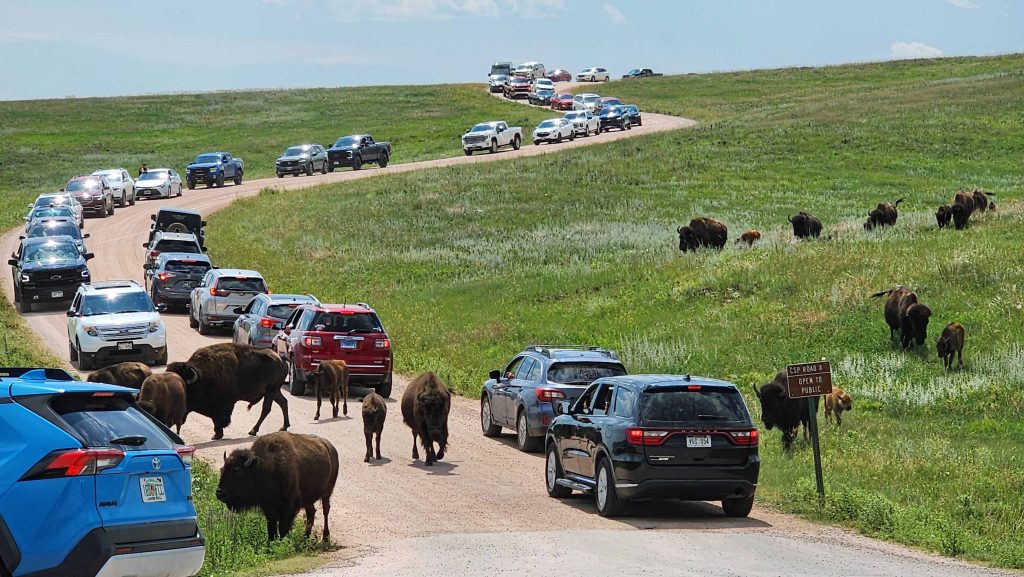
(625, 401)
(601, 400)
(525, 368)
(76, 302)
(535, 371)
(307, 316)
(512, 368)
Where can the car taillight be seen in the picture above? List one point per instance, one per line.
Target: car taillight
(648, 437)
(153, 254)
(215, 292)
(186, 452)
(549, 394)
(267, 322)
(744, 438)
(74, 463)
(164, 276)
(311, 341)
(383, 344)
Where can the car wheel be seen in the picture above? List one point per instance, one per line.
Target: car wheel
(384, 388)
(72, 353)
(608, 502)
(572, 135)
(516, 143)
(559, 139)
(86, 361)
(486, 421)
(309, 169)
(131, 201)
(330, 167)
(494, 146)
(238, 177)
(323, 168)
(296, 387)
(162, 359)
(192, 323)
(384, 160)
(468, 152)
(220, 180)
(524, 441)
(553, 472)
(280, 175)
(191, 184)
(123, 201)
(204, 329)
(536, 143)
(357, 162)
(738, 507)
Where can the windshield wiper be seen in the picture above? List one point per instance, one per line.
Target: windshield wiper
(713, 417)
(130, 440)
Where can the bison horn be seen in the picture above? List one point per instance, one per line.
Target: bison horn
(225, 456)
(679, 230)
(789, 218)
(195, 376)
(249, 461)
(756, 392)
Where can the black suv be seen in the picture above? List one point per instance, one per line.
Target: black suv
(47, 269)
(178, 220)
(172, 277)
(655, 436)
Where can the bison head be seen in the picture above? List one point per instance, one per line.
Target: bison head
(435, 404)
(961, 214)
(186, 371)
(773, 398)
(943, 347)
(687, 239)
(916, 322)
(239, 480)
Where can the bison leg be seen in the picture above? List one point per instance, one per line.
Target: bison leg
(787, 439)
(369, 445)
(334, 402)
(415, 450)
(219, 423)
(325, 504)
(271, 527)
(287, 520)
(283, 403)
(319, 399)
(310, 513)
(839, 417)
(428, 446)
(264, 411)
(344, 395)
(378, 444)
(959, 358)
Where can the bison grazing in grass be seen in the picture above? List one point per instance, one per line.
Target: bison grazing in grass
(963, 206)
(885, 214)
(130, 374)
(944, 215)
(749, 237)
(375, 411)
(218, 376)
(331, 377)
(835, 403)
(702, 232)
(163, 396)
(778, 410)
(981, 199)
(425, 405)
(805, 225)
(905, 315)
(280, 474)
(951, 342)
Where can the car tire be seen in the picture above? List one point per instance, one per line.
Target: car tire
(468, 152)
(296, 386)
(384, 388)
(494, 146)
(72, 352)
(605, 497)
(309, 169)
(738, 507)
(524, 441)
(109, 210)
(516, 143)
(162, 359)
(486, 421)
(204, 329)
(552, 472)
(131, 201)
(572, 136)
(192, 323)
(86, 361)
(384, 160)
(559, 139)
(123, 201)
(238, 177)
(330, 167)
(179, 190)
(280, 175)
(25, 305)
(220, 180)
(357, 162)
(191, 184)
(323, 168)
(536, 143)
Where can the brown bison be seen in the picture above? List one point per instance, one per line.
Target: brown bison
(328, 378)
(375, 411)
(951, 342)
(778, 410)
(883, 215)
(130, 374)
(163, 396)
(943, 215)
(805, 225)
(280, 474)
(905, 315)
(835, 403)
(963, 206)
(425, 405)
(218, 376)
(992, 207)
(749, 237)
(981, 199)
(702, 232)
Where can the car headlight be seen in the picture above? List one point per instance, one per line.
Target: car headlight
(91, 331)
(154, 326)
(85, 273)
(24, 278)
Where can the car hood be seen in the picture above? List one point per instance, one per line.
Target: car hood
(120, 319)
(300, 157)
(349, 147)
(204, 165)
(51, 265)
(152, 183)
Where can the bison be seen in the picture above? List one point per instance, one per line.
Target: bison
(991, 207)
(905, 315)
(328, 378)
(218, 376)
(425, 405)
(883, 215)
(375, 411)
(805, 225)
(163, 396)
(963, 206)
(835, 403)
(702, 232)
(280, 474)
(778, 410)
(130, 374)
(749, 237)
(981, 199)
(943, 215)
(951, 342)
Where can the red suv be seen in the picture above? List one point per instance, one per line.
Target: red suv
(351, 333)
(93, 193)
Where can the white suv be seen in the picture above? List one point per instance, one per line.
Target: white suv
(115, 321)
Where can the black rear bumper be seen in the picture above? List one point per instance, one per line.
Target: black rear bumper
(695, 483)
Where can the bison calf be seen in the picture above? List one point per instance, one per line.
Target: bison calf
(281, 473)
(328, 378)
(885, 214)
(905, 315)
(943, 215)
(375, 411)
(163, 396)
(702, 232)
(951, 342)
(805, 225)
(130, 374)
(981, 199)
(778, 410)
(749, 237)
(835, 403)
(425, 405)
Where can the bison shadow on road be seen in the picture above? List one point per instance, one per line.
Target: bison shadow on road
(324, 421)
(377, 463)
(671, 514)
(442, 468)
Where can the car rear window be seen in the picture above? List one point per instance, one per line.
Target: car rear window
(187, 266)
(177, 246)
(281, 311)
(110, 422)
(703, 407)
(241, 284)
(332, 322)
(582, 373)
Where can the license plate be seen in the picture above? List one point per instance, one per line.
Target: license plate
(698, 442)
(124, 346)
(348, 343)
(57, 294)
(153, 490)
(188, 284)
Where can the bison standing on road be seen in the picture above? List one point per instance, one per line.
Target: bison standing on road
(778, 410)
(943, 215)
(805, 225)
(130, 374)
(163, 396)
(951, 342)
(331, 377)
(885, 214)
(425, 405)
(702, 232)
(280, 474)
(218, 376)
(375, 411)
(905, 315)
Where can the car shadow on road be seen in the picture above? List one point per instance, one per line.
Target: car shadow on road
(509, 440)
(670, 514)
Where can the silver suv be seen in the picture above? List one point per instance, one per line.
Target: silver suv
(221, 291)
(115, 321)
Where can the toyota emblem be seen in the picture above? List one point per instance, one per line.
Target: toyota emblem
(156, 463)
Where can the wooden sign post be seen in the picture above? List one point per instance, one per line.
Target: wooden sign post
(811, 380)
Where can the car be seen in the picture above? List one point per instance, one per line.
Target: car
(356, 150)
(530, 70)
(542, 84)
(349, 332)
(593, 75)
(213, 302)
(496, 82)
(57, 200)
(591, 102)
(263, 318)
(158, 183)
(92, 485)
(122, 184)
(164, 241)
(301, 159)
(171, 278)
(553, 130)
(584, 122)
(500, 68)
(561, 101)
(47, 269)
(517, 86)
(213, 169)
(93, 193)
(491, 136)
(654, 436)
(559, 75)
(178, 220)
(540, 97)
(640, 73)
(56, 226)
(635, 118)
(614, 116)
(610, 101)
(521, 396)
(114, 321)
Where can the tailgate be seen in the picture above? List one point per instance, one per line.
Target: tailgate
(695, 447)
(148, 487)
(225, 305)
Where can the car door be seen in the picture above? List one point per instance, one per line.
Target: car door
(199, 291)
(500, 396)
(244, 321)
(520, 386)
(569, 431)
(129, 184)
(73, 318)
(371, 153)
(592, 422)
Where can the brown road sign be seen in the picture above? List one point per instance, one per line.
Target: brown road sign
(809, 379)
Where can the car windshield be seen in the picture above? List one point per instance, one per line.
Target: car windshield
(296, 150)
(166, 218)
(281, 311)
(548, 124)
(59, 228)
(564, 96)
(110, 176)
(482, 128)
(498, 77)
(77, 185)
(116, 302)
(53, 211)
(347, 141)
(50, 252)
(575, 115)
(634, 71)
(185, 246)
(187, 266)
(682, 407)
(151, 175)
(332, 322)
(241, 284)
(589, 99)
(206, 159)
(582, 373)
(544, 92)
(110, 422)
(48, 200)
(632, 109)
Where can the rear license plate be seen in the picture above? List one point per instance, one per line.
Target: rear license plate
(124, 346)
(153, 490)
(57, 294)
(698, 442)
(348, 343)
(188, 284)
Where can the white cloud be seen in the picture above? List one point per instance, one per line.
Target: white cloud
(906, 50)
(965, 4)
(13, 37)
(614, 14)
(420, 10)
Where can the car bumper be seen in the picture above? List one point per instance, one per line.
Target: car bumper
(340, 161)
(183, 562)
(139, 352)
(297, 169)
(263, 338)
(696, 483)
(151, 193)
(205, 178)
(95, 555)
(221, 319)
(172, 297)
(613, 124)
(50, 294)
(357, 372)
(580, 129)
(93, 204)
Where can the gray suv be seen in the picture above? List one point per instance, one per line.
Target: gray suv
(221, 291)
(263, 318)
(302, 159)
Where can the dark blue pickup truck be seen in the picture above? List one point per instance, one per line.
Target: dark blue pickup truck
(357, 150)
(213, 168)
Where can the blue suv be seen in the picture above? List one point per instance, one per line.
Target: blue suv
(90, 484)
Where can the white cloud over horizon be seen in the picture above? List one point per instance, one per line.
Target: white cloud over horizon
(614, 14)
(912, 50)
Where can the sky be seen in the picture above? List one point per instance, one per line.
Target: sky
(58, 49)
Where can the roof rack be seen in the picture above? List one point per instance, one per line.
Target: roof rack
(547, 350)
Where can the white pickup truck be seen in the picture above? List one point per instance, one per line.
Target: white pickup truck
(490, 136)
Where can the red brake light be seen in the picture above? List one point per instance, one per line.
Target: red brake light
(186, 453)
(215, 292)
(544, 394)
(693, 388)
(648, 437)
(74, 463)
(267, 322)
(164, 276)
(383, 344)
(744, 438)
(153, 254)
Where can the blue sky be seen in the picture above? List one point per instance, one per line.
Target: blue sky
(53, 48)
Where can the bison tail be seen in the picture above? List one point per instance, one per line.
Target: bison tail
(988, 193)
(882, 293)
(897, 203)
(789, 218)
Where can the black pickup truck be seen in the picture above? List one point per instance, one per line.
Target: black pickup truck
(641, 73)
(357, 150)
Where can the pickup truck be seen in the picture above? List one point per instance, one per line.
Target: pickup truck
(356, 150)
(641, 73)
(490, 136)
(213, 168)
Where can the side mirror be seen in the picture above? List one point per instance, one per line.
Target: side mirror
(147, 266)
(89, 256)
(31, 206)
(238, 310)
(86, 235)
(62, 190)
(21, 237)
(152, 217)
(145, 245)
(162, 307)
(12, 261)
(495, 374)
(203, 223)
(278, 326)
(562, 408)
(205, 249)
(71, 313)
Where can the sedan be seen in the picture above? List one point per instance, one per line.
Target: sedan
(553, 130)
(561, 102)
(593, 75)
(543, 84)
(634, 115)
(158, 183)
(541, 97)
(614, 116)
(584, 122)
(122, 183)
(559, 75)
